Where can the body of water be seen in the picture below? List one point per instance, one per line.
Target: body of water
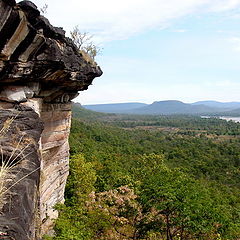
(235, 119)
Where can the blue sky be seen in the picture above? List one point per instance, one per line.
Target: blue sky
(156, 50)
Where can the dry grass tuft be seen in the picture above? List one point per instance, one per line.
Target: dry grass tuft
(88, 58)
(4, 168)
(6, 126)
(3, 180)
(8, 164)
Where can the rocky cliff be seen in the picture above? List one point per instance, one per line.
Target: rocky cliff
(41, 71)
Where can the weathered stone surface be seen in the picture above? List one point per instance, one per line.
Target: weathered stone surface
(39, 52)
(41, 71)
(13, 94)
(19, 145)
(55, 155)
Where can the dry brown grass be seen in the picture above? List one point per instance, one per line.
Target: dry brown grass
(4, 168)
(6, 126)
(9, 164)
(88, 58)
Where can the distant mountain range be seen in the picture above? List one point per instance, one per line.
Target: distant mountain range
(170, 107)
(222, 105)
(115, 107)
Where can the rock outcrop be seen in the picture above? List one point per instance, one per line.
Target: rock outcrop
(41, 71)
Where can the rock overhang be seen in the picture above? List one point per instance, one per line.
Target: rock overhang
(37, 59)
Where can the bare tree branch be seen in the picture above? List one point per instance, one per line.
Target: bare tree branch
(83, 41)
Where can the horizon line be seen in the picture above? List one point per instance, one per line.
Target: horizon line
(156, 101)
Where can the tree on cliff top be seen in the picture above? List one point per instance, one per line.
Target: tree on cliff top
(83, 41)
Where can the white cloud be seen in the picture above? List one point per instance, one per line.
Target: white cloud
(220, 91)
(236, 43)
(223, 84)
(180, 30)
(224, 5)
(130, 80)
(120, 19)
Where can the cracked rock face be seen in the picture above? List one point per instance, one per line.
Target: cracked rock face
(41, 71)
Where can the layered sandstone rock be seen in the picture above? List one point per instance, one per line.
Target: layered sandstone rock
(41, 71)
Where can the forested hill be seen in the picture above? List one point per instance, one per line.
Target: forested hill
(174, 107)
(151, 177)
(82, 113)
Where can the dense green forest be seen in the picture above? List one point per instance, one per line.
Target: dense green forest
(151, 177)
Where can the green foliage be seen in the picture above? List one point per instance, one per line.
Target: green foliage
(184, 207)
(72, 223)
(115, 150)
(181, 186)
(80, 181)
